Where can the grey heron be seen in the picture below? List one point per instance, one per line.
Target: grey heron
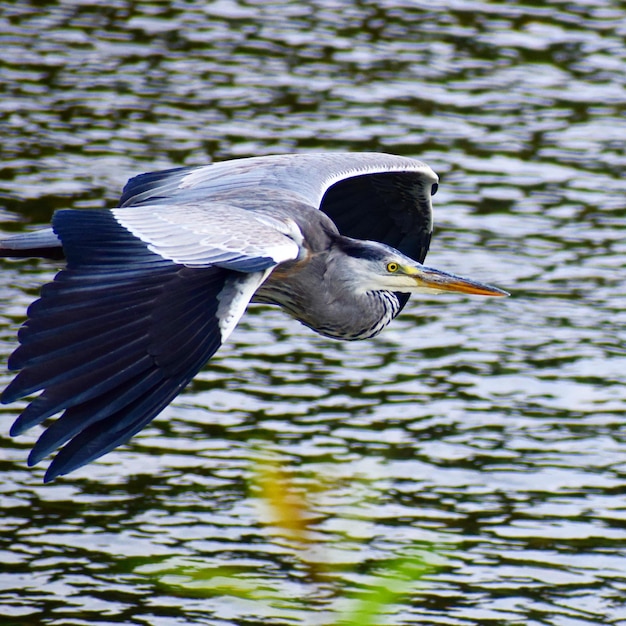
(152, 289)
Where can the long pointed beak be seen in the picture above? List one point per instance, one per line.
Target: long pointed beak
(435, 281)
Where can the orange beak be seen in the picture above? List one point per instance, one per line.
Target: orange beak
(430, 280)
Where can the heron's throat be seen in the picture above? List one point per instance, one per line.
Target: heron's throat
(339, 315)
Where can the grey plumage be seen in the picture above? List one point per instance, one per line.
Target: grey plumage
(154, 287)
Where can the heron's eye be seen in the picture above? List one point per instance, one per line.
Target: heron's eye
(433, 189)
(392, 267)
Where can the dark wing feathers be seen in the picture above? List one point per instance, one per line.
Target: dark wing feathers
(391, 207)
(104, 435)
(152, 186)
(112, 340)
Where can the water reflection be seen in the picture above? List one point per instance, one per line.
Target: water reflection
(488, 434)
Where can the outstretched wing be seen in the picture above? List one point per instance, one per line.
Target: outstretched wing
(119, 333)
(373, 196)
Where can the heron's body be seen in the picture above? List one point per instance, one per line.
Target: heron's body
(154, 287)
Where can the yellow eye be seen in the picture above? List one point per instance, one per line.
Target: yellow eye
(392, 267)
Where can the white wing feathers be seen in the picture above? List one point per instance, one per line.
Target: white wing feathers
(232, 238)
(307, 175)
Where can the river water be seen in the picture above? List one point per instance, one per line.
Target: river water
(485, 437)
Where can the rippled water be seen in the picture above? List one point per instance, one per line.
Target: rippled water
(487, 436)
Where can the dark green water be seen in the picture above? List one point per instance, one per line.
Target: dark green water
(487, 436)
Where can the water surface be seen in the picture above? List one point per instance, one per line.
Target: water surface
(485, 436)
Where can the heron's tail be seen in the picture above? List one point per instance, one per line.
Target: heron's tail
(41, 243)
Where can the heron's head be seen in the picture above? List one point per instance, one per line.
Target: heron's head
(372, 266)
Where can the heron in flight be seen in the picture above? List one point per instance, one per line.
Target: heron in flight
(152, 289)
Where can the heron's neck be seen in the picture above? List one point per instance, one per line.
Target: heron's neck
(334, 311)
(375, 312)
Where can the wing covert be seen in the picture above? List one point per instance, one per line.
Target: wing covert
(199, 235)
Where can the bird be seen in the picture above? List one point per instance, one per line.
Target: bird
(152, 288)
